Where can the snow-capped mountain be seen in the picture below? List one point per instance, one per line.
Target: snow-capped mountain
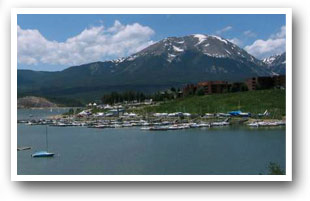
(173, 61)
(276, 63)
(212, 46)
(269, 60)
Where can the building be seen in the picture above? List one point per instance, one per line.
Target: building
(189, 89)
(256, 83)
(216, 87)
(279, 81)
(211, 87)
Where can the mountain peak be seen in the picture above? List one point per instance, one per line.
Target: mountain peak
(209, 45)
(276, 63)
(275, 59)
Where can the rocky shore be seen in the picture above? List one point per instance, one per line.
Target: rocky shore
(34, 102)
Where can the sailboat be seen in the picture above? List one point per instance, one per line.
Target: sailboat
(43, 153)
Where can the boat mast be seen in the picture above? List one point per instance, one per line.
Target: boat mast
(46, 138)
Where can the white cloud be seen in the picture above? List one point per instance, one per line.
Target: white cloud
(92, 44)
(275, 44)
(220, 32)
(280, 34)
(236, 41)
(249, 33)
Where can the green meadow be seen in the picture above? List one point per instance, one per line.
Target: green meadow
(249, 101)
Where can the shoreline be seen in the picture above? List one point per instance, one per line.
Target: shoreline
(151, 123)
(41, 108)
(94, 117)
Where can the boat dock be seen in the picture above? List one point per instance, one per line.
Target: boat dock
(155, 123)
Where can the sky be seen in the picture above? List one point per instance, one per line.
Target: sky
(53, 42)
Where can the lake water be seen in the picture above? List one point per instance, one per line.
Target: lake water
(87, 151)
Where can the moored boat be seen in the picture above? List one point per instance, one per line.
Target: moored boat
(23, 148)
(220, 123)
(159, 128)
(42, 154)
(266, 124)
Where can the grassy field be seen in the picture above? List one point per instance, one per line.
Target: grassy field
(250, 101)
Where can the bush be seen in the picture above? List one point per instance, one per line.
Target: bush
(275, 169)
(200, 92)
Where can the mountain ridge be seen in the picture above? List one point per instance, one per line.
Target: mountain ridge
(276, 63)
(173, 61)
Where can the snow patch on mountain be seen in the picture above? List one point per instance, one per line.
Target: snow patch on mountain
(119, 60)
(177, 49)
(276, 63)
(274, 59)
(220, 39)
(269, 60)
(212, 46)
(200, 37)
(171, 57)
(131, 58)
(215, 55)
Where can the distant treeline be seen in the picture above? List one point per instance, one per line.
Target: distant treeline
(118, 97)
(130, 96)
(169, 94)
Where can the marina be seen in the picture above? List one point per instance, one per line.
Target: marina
(108, 147)
(156, 121)
(174, 124)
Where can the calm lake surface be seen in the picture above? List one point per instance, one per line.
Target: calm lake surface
(88, 151)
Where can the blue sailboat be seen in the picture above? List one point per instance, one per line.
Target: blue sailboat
(43, 153)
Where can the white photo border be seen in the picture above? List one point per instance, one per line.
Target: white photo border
(286, 11)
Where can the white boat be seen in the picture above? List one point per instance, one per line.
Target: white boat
(266, 124)
(266, 113)
(43, 153)
(159, 128)
(99, 126)
(204, 125)
(194, 125)
(173, 127)
(223, 123)
(145, 128)
(281, 123)
(127, 125)
(117, 126)
(254, 124)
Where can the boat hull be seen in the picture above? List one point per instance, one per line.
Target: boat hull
(23, 148)
(42, 154)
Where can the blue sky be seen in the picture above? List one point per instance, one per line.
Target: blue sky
(55, 42)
